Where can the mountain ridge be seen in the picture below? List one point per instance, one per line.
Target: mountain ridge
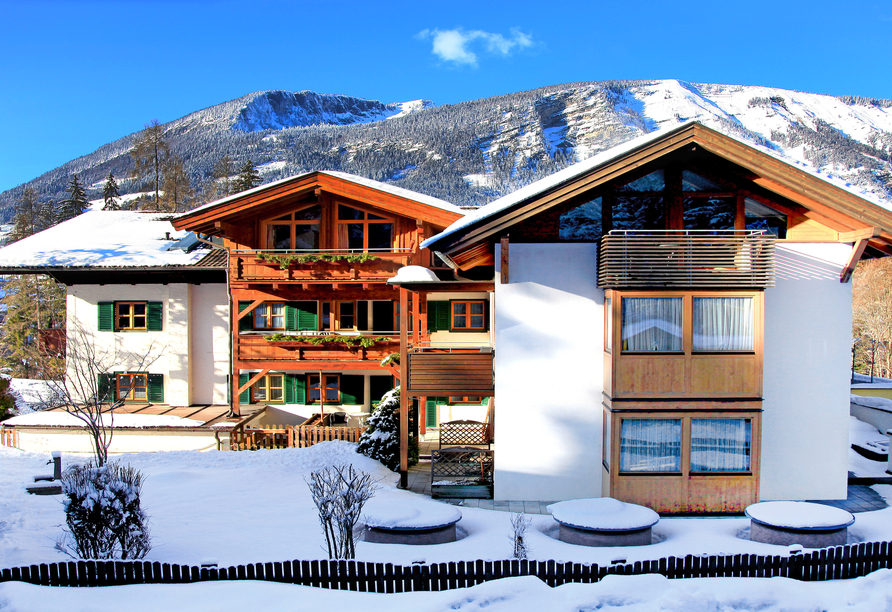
(472, 152)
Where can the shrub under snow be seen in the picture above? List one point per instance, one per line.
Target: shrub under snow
(381, 440)
(103, 513)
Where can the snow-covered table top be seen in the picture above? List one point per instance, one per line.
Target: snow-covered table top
(409, 514)
(799, 515)
(603, 514)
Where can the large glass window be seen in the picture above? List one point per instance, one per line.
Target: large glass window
(332, 388)
(359, 230)
(706, 212)
(650, 445)
(723, 324)
(757, 216)
(133, 387)
(269, 316)
(298, 230)
(582, 222)
(721, 445)
(652, 324)
(270, 388)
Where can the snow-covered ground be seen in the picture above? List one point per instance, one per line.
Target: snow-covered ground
(251, 507)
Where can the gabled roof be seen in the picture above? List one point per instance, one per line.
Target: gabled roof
(847, 210)
(401, 201)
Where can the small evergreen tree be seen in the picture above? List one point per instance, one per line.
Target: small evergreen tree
(76, 201)
(248, 177)
(223, 185)
(381, 441)
(7, 400)
(110, 193)
(31, 216)
(148, 152)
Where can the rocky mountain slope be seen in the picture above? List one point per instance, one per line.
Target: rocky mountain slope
(472, 152)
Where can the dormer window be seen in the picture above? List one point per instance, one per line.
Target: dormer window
(295, 231)
(359, 230)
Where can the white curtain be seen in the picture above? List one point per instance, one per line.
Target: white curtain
(723, 324)
(650, 445)
(720, 445)
(652, 324)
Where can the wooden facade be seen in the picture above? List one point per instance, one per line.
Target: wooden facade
(309, 260)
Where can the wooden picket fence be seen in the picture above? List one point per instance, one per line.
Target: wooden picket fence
(841, 562)
(9, 437)
(289, 436)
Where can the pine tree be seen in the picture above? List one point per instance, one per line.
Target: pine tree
(32, 303)
(178, 192)
(148, 152)
(31, 216)
(110, 193)
(223, 185)
(248, 177)
(76, 201)
(381, 440)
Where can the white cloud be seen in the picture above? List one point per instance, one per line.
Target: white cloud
(455, 45)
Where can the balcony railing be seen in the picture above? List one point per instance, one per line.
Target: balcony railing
(344, 265)
(253, 348)
(451, 370)
(686, 258)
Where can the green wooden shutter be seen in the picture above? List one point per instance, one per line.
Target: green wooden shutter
(431, 410)
(107, 387)
(295, 389)
(245, 396)
(306, 315)
(155, 388)
(106, 316)
(438, 316)
(352, 389)
(290, 318)
(246, 323)
(155, 316)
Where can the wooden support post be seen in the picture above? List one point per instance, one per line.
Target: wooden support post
(404, 393)
(504, 258)
(234, 403)
(253, 380)
(857, 252)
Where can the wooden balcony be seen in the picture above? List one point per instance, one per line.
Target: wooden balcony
(269, 266)
(686, 258)
(451, 371)
(254, 350)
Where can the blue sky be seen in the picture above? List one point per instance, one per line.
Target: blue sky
(76, 74)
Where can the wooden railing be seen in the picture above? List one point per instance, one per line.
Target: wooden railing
(289, 436)
(9, 437)
(336, 266)
(455, 371)
(838, 563)
(686, 258)
(255, 347)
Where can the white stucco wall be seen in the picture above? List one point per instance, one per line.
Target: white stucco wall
(549, 371)
(124, 441)
(808, 326)
(191, 351)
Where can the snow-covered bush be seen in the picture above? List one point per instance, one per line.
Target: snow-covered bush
(340, 492)
(519, 525)
(381, 440)
(103, 513)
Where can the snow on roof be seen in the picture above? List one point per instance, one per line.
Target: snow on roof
(397, 191)
(58, 418)
(497, 206)
(103, 239)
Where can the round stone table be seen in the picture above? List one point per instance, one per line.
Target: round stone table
(804, 523)
(603, 521)
(410, 521)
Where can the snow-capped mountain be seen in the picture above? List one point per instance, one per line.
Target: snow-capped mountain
(472, 152)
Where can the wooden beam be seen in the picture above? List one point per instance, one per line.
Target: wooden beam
(404, 397)
(504, 257)
(253, 380)
(248, 310)
(856, 235)
(846, 274)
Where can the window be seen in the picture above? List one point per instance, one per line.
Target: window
(133, 387)
(608, 324)
(721, 445)
(759, 216)
(723, 323)
(650, 445)
(468, 316)
(652, 324)
(582, 223)
(130, 316)
(295, 231)
(331, 388)
(465, 399)
(359, 230)
(338, 316)
(270, 388)
(270, 316)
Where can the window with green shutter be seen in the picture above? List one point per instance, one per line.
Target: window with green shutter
(130, 316)
(295, 389)
(352, 389)
(378, 386)
(156, 316)
(438, 316)
(246, 322)
(304, 316)
(430, 405)
(108, 388)
(245, 396)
